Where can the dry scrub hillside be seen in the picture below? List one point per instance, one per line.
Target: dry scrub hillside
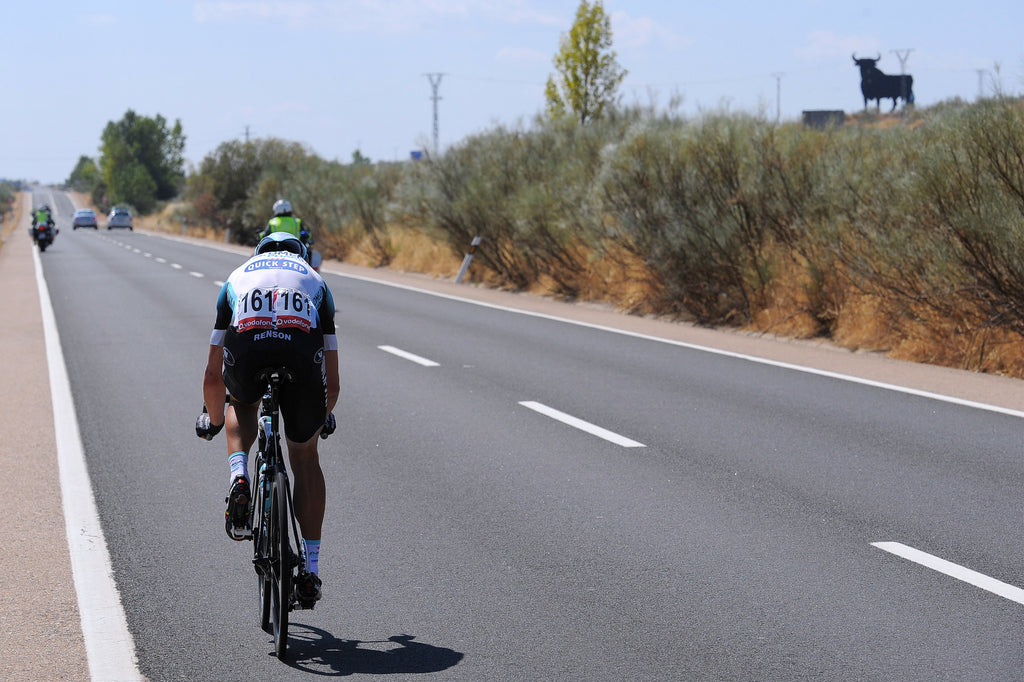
(893, 234)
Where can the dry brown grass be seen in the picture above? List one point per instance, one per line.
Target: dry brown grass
(619, 277)
(864, 323)
(13, 219)
(792, 306)
(859, 321)
(168, 221)
(83, 200)
(788, 308)
(962, 343)
(411, 251)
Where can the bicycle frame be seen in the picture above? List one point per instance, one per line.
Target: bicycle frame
(275, 556)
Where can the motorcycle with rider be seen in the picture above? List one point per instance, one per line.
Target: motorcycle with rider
(285, 221)
(44, 229)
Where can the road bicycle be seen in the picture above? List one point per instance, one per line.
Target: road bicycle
(277, 553)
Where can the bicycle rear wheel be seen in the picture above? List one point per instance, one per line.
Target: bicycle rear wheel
(281, 563)
(261, 552)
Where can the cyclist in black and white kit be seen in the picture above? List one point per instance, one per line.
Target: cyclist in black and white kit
(274, 311)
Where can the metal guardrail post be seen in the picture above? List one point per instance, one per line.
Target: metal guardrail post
(468, 259)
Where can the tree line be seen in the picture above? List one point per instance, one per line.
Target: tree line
(141, 163)
(141, 159)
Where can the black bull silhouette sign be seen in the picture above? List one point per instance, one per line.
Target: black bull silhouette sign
(875, 85)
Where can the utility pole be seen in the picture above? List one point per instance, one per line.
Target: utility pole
(903, 55)
(435, 84)
(778, 96)
(247, 134)
(981, 81)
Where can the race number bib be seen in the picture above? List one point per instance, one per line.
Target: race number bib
(277, 308)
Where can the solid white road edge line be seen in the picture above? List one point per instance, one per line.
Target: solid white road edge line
(706, 349)
(408, 356)
(592, 429)
(953, 570)
(108, 643)
(682, 344)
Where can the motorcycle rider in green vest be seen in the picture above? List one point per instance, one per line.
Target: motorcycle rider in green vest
(42, 216)
(284, 221)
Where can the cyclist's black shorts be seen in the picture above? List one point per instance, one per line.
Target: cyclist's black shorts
(303, 402)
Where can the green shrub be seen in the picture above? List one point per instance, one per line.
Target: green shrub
(972, 186)
(525, 193)
(680, 197)
(923, 213)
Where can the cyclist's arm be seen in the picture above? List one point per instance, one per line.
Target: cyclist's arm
(213, 385)
(325, 313)
(333, 379)
(213, 379)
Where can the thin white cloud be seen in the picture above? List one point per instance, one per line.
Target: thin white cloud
(357, 16)
(521, 55)
(645, 32)
(826, 44)
(292, 13)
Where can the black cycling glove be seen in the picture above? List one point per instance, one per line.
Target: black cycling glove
(329, 426)
(204, 429)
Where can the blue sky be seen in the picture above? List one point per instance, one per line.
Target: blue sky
(341, 75)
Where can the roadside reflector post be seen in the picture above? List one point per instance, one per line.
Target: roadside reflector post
(468, 259)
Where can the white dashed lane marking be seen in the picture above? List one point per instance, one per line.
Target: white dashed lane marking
(408, 356)
(592, 429)
(146, 254)
(968, 576)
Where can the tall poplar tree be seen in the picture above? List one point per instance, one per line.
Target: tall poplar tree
(588, 75)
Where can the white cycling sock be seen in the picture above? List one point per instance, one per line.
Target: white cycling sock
(312, 549)
(239, 462)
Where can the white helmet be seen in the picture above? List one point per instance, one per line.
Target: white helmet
(282, 207)
(281, 241)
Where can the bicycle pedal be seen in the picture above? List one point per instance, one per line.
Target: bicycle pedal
(241, 534)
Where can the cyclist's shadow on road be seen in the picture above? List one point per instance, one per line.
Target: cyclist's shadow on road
(310, 648)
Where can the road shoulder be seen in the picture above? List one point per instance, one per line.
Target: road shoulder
(42, 635)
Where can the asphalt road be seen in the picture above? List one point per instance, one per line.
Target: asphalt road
(714, 518)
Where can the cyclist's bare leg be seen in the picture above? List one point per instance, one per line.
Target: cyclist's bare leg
(240, 426)
(310, 491)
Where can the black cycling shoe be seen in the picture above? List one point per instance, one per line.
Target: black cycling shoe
(236, 516)
(307, 589)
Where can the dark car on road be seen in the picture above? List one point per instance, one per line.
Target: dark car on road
(84, 217)
(119, 217)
